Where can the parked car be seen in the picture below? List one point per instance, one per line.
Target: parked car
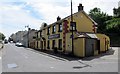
(19, 44)
(5, 41)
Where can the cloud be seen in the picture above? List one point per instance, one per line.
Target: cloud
(15, 14)
(15, 18)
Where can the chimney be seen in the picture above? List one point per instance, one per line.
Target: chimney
(80, 7)
(58, 18)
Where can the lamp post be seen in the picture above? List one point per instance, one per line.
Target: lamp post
(71, 23)
(27, 34)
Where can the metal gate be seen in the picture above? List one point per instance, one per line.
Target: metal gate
(89, 47)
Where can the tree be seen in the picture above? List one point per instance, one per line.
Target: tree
(116, 12)
(113, 25)
(100, 18)
(2, 36)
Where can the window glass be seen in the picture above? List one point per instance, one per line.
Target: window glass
(48, 30)
(54, 29)
(60, 27)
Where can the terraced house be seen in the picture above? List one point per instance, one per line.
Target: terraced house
(86, 41)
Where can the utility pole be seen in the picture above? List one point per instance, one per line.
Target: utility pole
(27, 34)
(72, 28)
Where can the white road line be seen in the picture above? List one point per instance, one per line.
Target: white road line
(13, 65)
(0, 58)
(51, 67)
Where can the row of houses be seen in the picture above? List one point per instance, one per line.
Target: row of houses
(78, 37)
(24, 37)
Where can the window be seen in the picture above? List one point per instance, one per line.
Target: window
(48, 44)
(37, 34)
(60, 44)
(54, 29)
(60, 27)
(40, 33)
(48, 31)
(53, 44)
(73, 24)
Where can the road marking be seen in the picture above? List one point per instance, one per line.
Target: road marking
(51, 67)
(12, 65)
(0, 58)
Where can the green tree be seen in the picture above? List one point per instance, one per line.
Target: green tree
(2, 36)
(100, 18)
(113, 25)
(116, 12)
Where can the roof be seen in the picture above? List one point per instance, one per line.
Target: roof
(70, 16)
(86, 35)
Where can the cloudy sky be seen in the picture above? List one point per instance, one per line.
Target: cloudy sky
(16, 14)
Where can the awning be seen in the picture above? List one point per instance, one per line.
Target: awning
(92, 35)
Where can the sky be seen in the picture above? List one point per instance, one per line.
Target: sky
(16, 14)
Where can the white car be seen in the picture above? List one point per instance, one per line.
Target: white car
(18, 44)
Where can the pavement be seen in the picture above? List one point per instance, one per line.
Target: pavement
(20, 59)
(1, 58)
(1, 45)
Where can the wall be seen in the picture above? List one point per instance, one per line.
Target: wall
(83, 23)
(79, 47)
(102, 37)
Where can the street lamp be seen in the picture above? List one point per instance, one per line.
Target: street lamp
(28, 34)
(71, 23)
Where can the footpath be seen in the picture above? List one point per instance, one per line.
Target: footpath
(1, 45)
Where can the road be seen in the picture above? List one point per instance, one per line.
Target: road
(20, 59)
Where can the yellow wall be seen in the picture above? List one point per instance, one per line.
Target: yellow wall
(44, 33)
(79, 47)
(102, 37)
(83, 24)
(68, 48)
(39, 44)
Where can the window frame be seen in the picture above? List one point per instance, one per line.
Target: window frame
(74, 26)
(53, 28)
(48, 31)
(60, 27)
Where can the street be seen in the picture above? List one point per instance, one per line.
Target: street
(20, 59)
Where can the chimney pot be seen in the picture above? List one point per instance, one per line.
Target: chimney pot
(80, 7)
(58, 18)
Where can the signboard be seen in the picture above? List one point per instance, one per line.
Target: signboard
(54, 36)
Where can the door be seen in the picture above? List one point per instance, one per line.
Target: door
(98, 46)
(41, 44)
(89, 47)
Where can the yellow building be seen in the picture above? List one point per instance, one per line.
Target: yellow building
(58, 36)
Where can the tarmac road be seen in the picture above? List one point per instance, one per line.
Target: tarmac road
(20, 59)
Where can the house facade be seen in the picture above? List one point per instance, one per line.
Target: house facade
(28, 38)
(18, 36)
(86, 41)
